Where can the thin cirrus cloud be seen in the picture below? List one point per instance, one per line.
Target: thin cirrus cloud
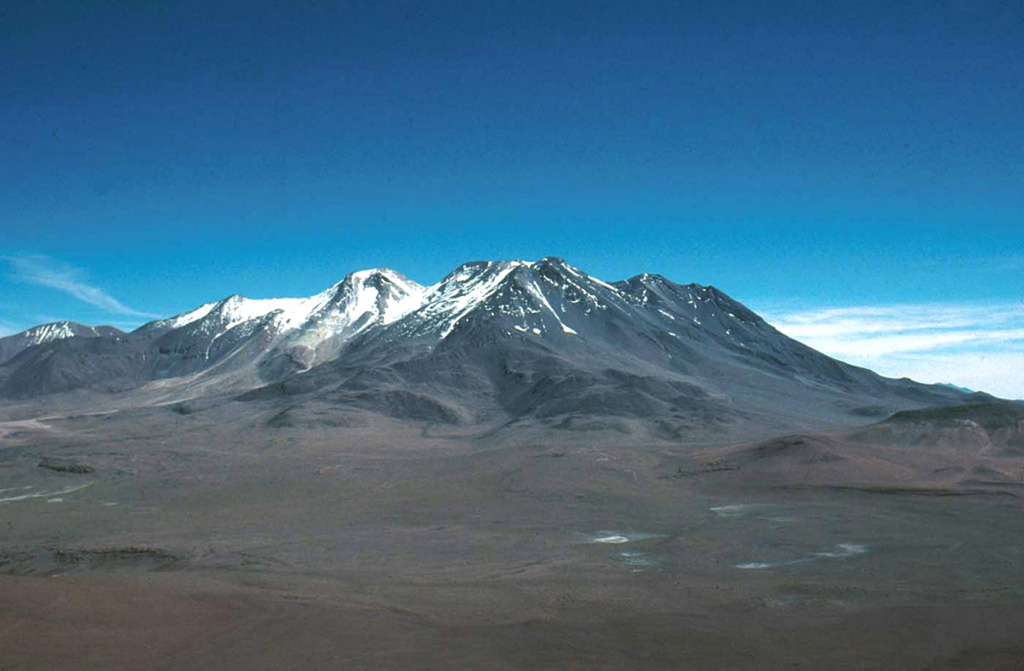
(976, 346)
(47, 272)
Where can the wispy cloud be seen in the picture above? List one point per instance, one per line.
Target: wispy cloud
(977, 346)
(48, 272)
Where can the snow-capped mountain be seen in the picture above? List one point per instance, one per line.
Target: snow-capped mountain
(12, 345)
(527, 297)
(290, 334)
(317, 329)
(506, 346)
(361, 299)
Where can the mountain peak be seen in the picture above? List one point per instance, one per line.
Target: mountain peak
(11, 346)
(378, 274)
(381, 294)
(532, 298)
(60, 330)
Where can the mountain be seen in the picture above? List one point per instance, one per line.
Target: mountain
(508, 350)
(11, 346)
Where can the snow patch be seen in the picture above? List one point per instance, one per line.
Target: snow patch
(186, 318)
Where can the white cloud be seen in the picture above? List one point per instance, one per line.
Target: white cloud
(47, 272)
(995, 372)
(972, 345)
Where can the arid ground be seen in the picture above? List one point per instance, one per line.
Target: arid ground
(160, 541)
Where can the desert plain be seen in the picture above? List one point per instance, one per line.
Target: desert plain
(163, 539)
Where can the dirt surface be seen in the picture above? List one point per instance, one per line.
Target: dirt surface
(195, 545)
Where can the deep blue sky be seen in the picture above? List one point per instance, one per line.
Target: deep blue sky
(793, 153)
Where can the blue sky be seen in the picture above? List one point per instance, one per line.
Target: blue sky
(803, 157)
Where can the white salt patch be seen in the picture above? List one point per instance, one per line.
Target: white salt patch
(845, 550)
(40, 495)
(762, 565)
(614, 537)
(740, 509)
(638, 561)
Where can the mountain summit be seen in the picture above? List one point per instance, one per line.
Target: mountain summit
(12, 345)
(517, 349)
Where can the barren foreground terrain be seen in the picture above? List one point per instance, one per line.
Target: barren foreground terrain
(155, 540)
